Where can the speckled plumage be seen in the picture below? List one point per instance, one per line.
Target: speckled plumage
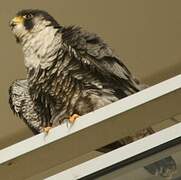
(69, 70)
(22, 105)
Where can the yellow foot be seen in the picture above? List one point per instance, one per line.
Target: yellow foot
(73, 118)
(47, 129)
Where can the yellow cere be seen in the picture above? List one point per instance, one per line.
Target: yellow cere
(18, 19)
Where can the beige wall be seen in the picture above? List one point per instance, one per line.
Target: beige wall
(146, 33)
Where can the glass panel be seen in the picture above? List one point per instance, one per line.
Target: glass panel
(165, 164)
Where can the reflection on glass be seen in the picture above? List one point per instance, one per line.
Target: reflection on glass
(165, 168)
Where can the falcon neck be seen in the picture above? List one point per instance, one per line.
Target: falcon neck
(41, 48)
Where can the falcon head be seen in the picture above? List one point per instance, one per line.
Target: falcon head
(31, 21)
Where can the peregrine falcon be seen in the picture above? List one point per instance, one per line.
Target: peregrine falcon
(70, 72)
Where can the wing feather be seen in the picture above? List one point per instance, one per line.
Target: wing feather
(23, 106)
(93, 51)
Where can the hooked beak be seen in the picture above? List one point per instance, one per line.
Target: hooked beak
(15, 21)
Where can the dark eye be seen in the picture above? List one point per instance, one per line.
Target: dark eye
(28, 16)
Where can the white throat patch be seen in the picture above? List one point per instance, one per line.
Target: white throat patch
(41, 46)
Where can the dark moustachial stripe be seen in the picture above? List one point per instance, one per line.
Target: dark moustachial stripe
(28, 24)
